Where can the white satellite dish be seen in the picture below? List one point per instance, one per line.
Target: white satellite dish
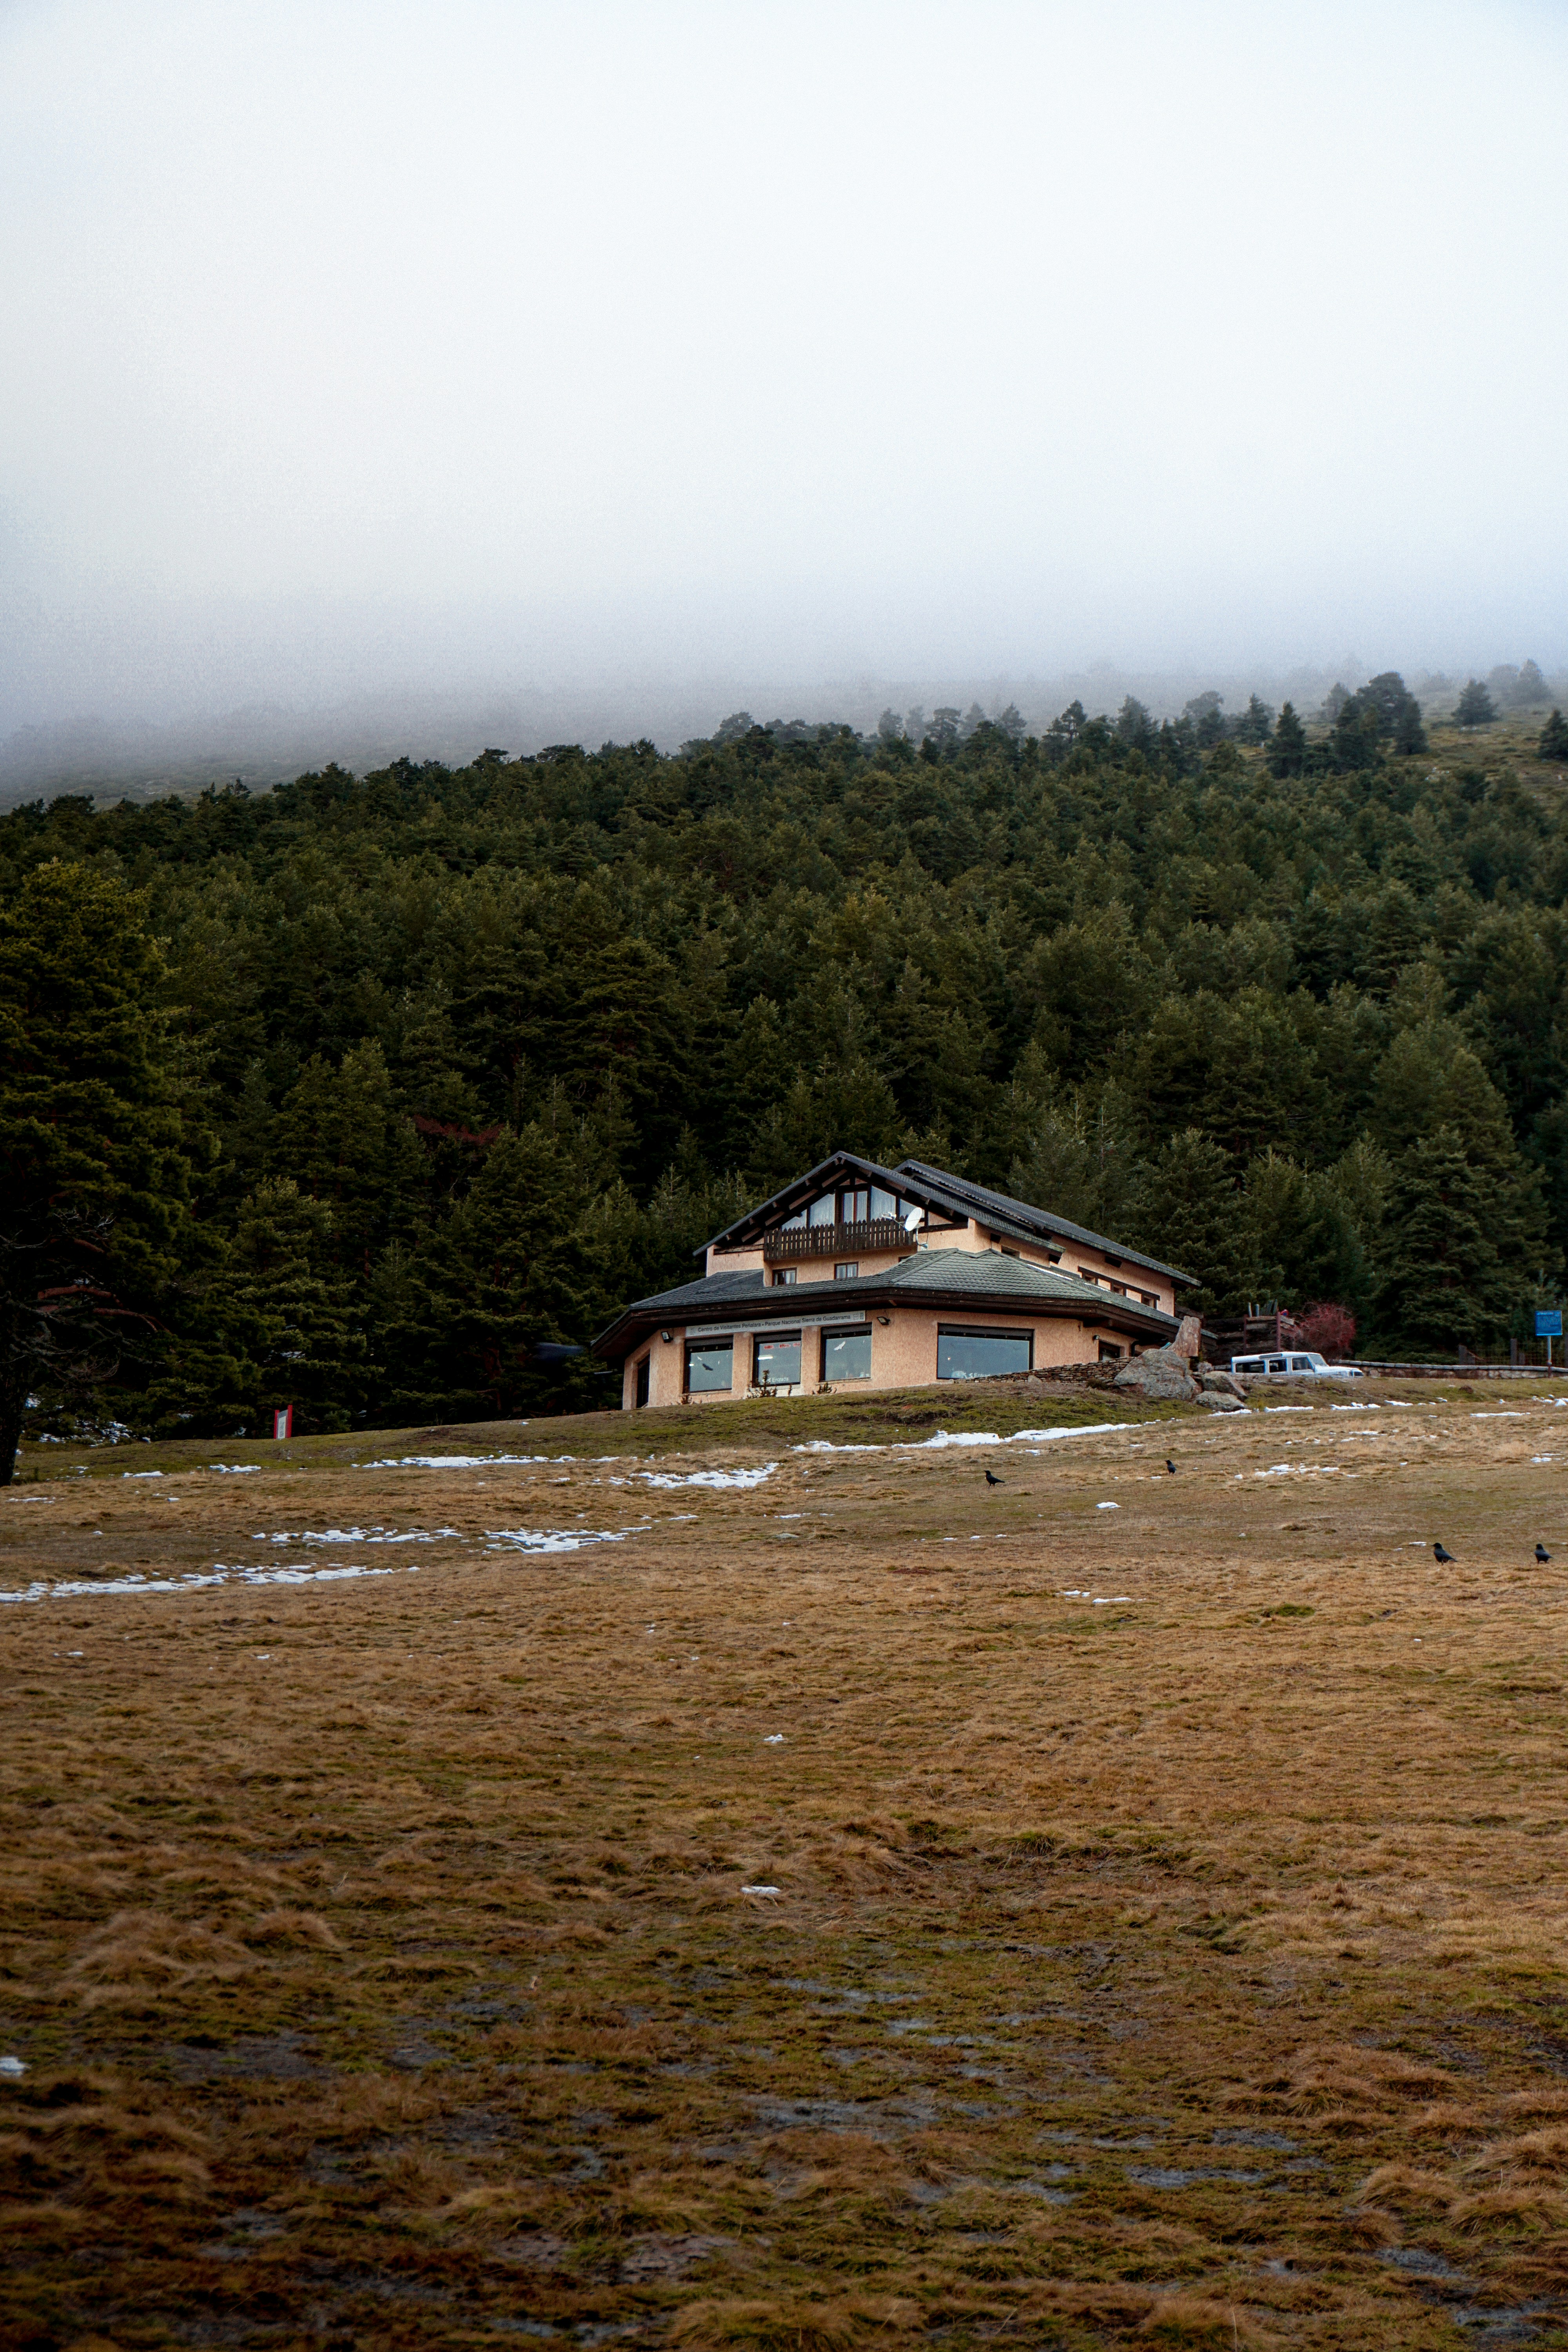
(913, 1220)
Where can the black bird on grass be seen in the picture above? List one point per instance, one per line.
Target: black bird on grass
(1170, 1465)
(1541, 1554)
(992, 1480)
(1441, 1556)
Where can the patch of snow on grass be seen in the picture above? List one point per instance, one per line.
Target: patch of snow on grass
(458, 1461)
(357, 1536)
(975, 1437)
(536, 1539)
(195, 1581)
(707, 1477)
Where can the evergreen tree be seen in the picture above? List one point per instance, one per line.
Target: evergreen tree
(510, 1267)
(305, 1341)
(1078, 1155)
(1448, 1281)
(1256, 724)
(1304, 1240)
(1135, 727)
(1409, 733)
(1356, 732)
(343, 1139)
(1187, 1211)
(1454, 1154)
(1207, 713)
(1288, 746)
(1475, 707)
(1063, 734)
(1390, 702)
(95, 1149)
(1553, 744)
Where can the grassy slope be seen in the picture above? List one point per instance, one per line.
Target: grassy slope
(753, 1424)
(1146, 1972)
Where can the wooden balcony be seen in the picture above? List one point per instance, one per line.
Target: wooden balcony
(788, 1243)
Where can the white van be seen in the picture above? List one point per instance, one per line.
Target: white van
(1294, 1364)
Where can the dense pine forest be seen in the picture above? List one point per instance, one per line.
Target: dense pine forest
(355, 1093)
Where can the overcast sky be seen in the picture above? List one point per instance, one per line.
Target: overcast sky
(343, 344)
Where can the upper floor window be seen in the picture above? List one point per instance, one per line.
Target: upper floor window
(847, 1272)
(781, 1274)
(855, 1205)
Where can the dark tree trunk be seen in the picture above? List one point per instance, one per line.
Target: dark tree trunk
(12, 1405)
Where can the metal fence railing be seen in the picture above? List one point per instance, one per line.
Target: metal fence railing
(1472, 1370)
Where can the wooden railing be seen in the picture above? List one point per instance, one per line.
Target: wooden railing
(787, 1242)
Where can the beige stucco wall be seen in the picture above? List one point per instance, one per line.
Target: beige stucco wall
(667, 1369)
(903, 1352)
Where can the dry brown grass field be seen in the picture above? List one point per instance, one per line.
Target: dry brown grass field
(1165, 1940)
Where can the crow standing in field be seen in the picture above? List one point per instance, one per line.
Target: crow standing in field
(992, 1480)
(1442, 1557)
(1541, 1554)
(1170, 1465)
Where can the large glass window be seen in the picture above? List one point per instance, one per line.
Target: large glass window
(709, 1364)
(847, 1355)
(883, 1204)
(965, 1354)
(775, 1361)
(821, 1212)
(855, 1207)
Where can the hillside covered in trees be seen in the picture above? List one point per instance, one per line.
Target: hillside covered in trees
(448, 1063)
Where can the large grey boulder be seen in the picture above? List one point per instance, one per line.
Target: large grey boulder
(1210, 1377)
(1158, 1372)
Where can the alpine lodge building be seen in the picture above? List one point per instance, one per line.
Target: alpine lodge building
(855, 1276)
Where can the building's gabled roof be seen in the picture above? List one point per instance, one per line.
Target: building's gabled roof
(933, 1188)
(986, 1280)
(802, 1190)
(1038, 1224)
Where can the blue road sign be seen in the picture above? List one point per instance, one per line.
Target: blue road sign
(1549, 1322)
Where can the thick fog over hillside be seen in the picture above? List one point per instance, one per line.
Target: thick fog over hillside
(504, 372)
(268, 744)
